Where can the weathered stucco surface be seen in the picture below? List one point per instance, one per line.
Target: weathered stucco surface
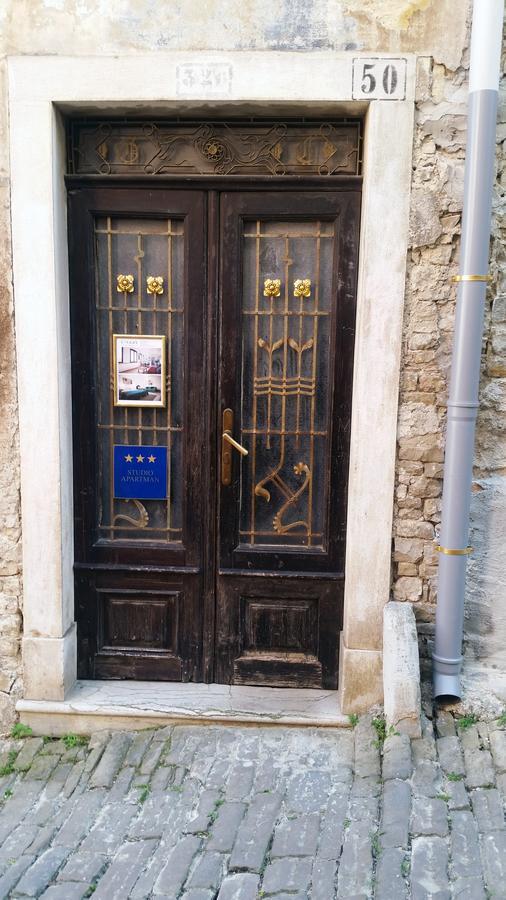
(437, 31)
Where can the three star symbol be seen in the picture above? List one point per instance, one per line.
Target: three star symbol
(140, 458)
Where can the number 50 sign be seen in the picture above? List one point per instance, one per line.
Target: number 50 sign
(379, 79)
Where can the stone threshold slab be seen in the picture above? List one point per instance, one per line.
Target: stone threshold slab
(118, 705)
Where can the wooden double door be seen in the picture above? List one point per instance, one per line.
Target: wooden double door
(212, 358)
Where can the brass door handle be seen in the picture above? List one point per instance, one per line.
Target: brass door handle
(227, 442)
(228, 437)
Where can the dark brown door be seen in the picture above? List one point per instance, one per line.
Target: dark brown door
(140, 563)
(236, 574)
(288, 277)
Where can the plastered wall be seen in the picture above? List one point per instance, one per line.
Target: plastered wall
(437, 31)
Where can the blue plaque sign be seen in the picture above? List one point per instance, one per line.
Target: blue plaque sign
(140, 472)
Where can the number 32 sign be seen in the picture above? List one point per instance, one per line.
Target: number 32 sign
(379, 79)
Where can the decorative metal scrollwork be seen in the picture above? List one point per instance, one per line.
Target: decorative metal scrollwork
(215, 148)
(141, 521)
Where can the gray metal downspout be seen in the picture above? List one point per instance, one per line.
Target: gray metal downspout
(465, 371)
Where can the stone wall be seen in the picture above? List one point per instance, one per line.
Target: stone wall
(437, 31)
(436, 205)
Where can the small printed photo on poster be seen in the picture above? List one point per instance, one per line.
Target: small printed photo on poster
(139, 370)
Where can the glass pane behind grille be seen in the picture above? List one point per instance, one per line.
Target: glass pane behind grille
(285, 382)
(139, 247)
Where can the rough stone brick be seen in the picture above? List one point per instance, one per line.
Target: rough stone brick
(365, 787)
(450, 755)
(123, 872)
(63, 892)
(288, 874)
(426, 779)
(83, 867)
(429, 816)
(445, 724)
(198, 894)
(84, 813)
(42, 839)
(493, 856)
(42, 872)
(365, 809)
(41, 768)
(355, 868)
(397, 757)
(151, 758)
(138, 748)
(15, 810)
(469, 737)
(57, 779)
(324, 878)
(93, 757)
(18, 842)
(174, 874)
(479, 768)
(429, 869)
(367, 756)
(160, 779)
(25, 757)
(488, 809)
(266, 776)
(121, 785)
(255, 833)
(240, 780)
(111, 761)
(395, 817)
(110, 828)
(459, 798)
(390, 881)
(158, 814)
(468, 889)
(241, 886)
(207, 872)
(296, 836)
(498, 748)
(308, 791)
(465, 850)
(73, 779)
(13, 873)
(332, 830)
(224, 831)
(207, 805)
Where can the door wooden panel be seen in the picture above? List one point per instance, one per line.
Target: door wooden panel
(237, 582)
(288, 264)
(139, 562)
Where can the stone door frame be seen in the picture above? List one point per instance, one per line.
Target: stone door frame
(41, 91)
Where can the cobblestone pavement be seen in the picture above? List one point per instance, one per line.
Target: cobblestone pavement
(205, 812)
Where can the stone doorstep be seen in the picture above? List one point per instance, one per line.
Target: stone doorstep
(126, 706)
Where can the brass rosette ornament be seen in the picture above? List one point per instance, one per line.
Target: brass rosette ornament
(272, 287)
(154, 284)
(302, 287)
(125, 284)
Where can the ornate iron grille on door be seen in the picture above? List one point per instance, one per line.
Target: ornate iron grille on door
(285, 381)
(139, 286)
(215, 148)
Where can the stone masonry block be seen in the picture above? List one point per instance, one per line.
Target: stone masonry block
(401, 669)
